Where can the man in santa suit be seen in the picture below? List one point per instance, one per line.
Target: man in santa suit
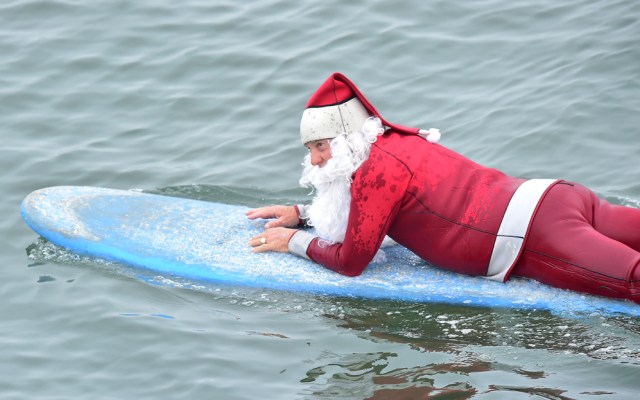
(375, 179)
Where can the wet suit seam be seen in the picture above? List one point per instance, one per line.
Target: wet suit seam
(455, 222)
(578, 266)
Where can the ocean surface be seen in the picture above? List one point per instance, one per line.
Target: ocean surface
(202, 99)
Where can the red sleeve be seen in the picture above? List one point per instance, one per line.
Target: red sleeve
(377, 191)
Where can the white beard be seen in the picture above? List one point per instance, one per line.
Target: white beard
(329, 211)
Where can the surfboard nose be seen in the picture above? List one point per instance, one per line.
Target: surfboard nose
(33, 206)
(51, 212)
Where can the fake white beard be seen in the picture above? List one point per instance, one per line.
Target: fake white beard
(329, 211)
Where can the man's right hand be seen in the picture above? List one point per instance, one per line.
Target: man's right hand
(283, 216)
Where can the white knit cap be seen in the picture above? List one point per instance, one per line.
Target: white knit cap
(338, 107)
(327, 122)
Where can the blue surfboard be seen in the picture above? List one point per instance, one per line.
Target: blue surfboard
(203, 241)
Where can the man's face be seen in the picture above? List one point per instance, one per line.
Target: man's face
(320, 151)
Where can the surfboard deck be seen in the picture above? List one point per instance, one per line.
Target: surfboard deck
(207, 242)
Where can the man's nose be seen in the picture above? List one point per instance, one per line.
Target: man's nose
(316, 158)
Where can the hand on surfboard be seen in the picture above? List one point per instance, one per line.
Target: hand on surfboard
(276, 236)
(273, 239)
(283, 216)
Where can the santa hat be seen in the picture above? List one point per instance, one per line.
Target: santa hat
(338, 107)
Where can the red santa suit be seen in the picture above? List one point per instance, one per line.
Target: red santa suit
(467, 218)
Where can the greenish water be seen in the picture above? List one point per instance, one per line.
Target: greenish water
(202, 99)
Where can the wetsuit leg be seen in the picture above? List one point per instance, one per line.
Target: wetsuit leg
(582, 243)
(617, 222)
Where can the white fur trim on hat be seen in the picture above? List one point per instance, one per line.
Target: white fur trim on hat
(330, 121)
(432, 135)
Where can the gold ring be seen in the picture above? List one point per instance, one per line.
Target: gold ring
(263, 240)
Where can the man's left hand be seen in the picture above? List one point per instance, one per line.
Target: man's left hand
(273, 239)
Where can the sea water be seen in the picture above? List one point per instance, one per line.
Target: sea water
(202, 99)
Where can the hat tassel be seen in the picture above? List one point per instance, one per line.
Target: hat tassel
(432, 135)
